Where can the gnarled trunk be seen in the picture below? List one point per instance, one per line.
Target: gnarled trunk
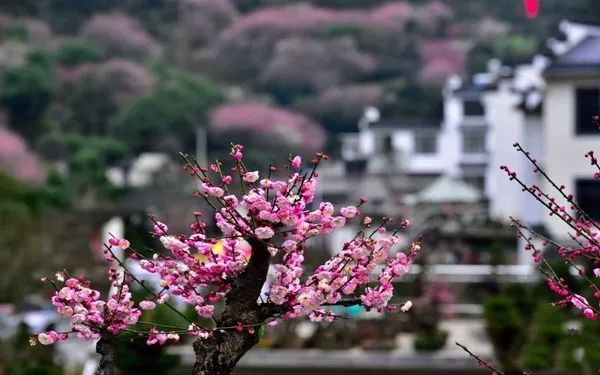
(106, 347)
(219, 354)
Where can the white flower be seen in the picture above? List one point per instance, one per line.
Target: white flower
(407, 305)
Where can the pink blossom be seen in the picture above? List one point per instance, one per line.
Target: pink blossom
(589, 314)
(17, 159)
(296, 162)
(212, 191)
(288, 128)
(160, 228)
(349, 212)
(147, 305)
(579, 301)
(251, 176)
(119, 34)
(156, 337)
(264, 232)
(205, 311)
(48, 338)
(231, 200)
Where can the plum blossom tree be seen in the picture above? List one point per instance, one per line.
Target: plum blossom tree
(581, 255)
(18, 160)
(330, 62)
(269, 221)
(202, 20)
(251, 120)
(116, 34)
(583, 230)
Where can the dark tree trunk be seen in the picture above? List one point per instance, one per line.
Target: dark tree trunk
(106, 347)
(219, 354)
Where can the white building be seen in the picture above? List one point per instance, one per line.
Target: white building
(572, 98)
(546, 107)
(396, 146)
(482, 121)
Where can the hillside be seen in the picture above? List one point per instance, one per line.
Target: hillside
(95, 82)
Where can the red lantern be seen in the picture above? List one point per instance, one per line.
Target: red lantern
(532, 8)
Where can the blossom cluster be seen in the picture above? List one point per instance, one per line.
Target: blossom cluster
(582, 229)
(88, 313)
(276, 214)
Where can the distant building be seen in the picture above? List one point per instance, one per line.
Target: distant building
(545, 106)
(396, 146)
(572, 98)
(483, 119)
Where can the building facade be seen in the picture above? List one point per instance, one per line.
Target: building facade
(572, 97)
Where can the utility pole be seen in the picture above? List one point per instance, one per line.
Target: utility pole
(201, 145)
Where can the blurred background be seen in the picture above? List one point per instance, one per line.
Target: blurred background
(418, 103)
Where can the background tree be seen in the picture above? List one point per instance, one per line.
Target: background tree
(178, 106)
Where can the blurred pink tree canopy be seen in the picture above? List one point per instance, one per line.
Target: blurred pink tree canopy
(118, 34)
(283, 128)
(16, 159)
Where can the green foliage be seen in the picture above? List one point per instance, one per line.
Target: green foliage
(90, 152)
(12, 195)
(515, 48)
(91, 107)
(77, 52)
(497, 255)
(179, 105)
(590, 332)
(505, 328)
(410, 100)
(17, 32)
(478, 57)
(510, 50)
(26, 92)
(339, 30)
(523, 298)
(134, 357)
(88, 158)
(23, 359)
(430, 341)
(536, 356)
(546, 334)
(18, 197)
(566, 358)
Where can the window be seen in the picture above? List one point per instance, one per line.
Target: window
(587, 105)
(473, 141)
(473, 108)
(425, 143)
(587, 193)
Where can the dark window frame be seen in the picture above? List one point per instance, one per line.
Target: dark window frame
(587, 194)
(473, 107)
(384, 144)
(425, 143)
(585, 108)
(473, 150)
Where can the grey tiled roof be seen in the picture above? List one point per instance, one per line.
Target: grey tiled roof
(581, 60)
(405, 123)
